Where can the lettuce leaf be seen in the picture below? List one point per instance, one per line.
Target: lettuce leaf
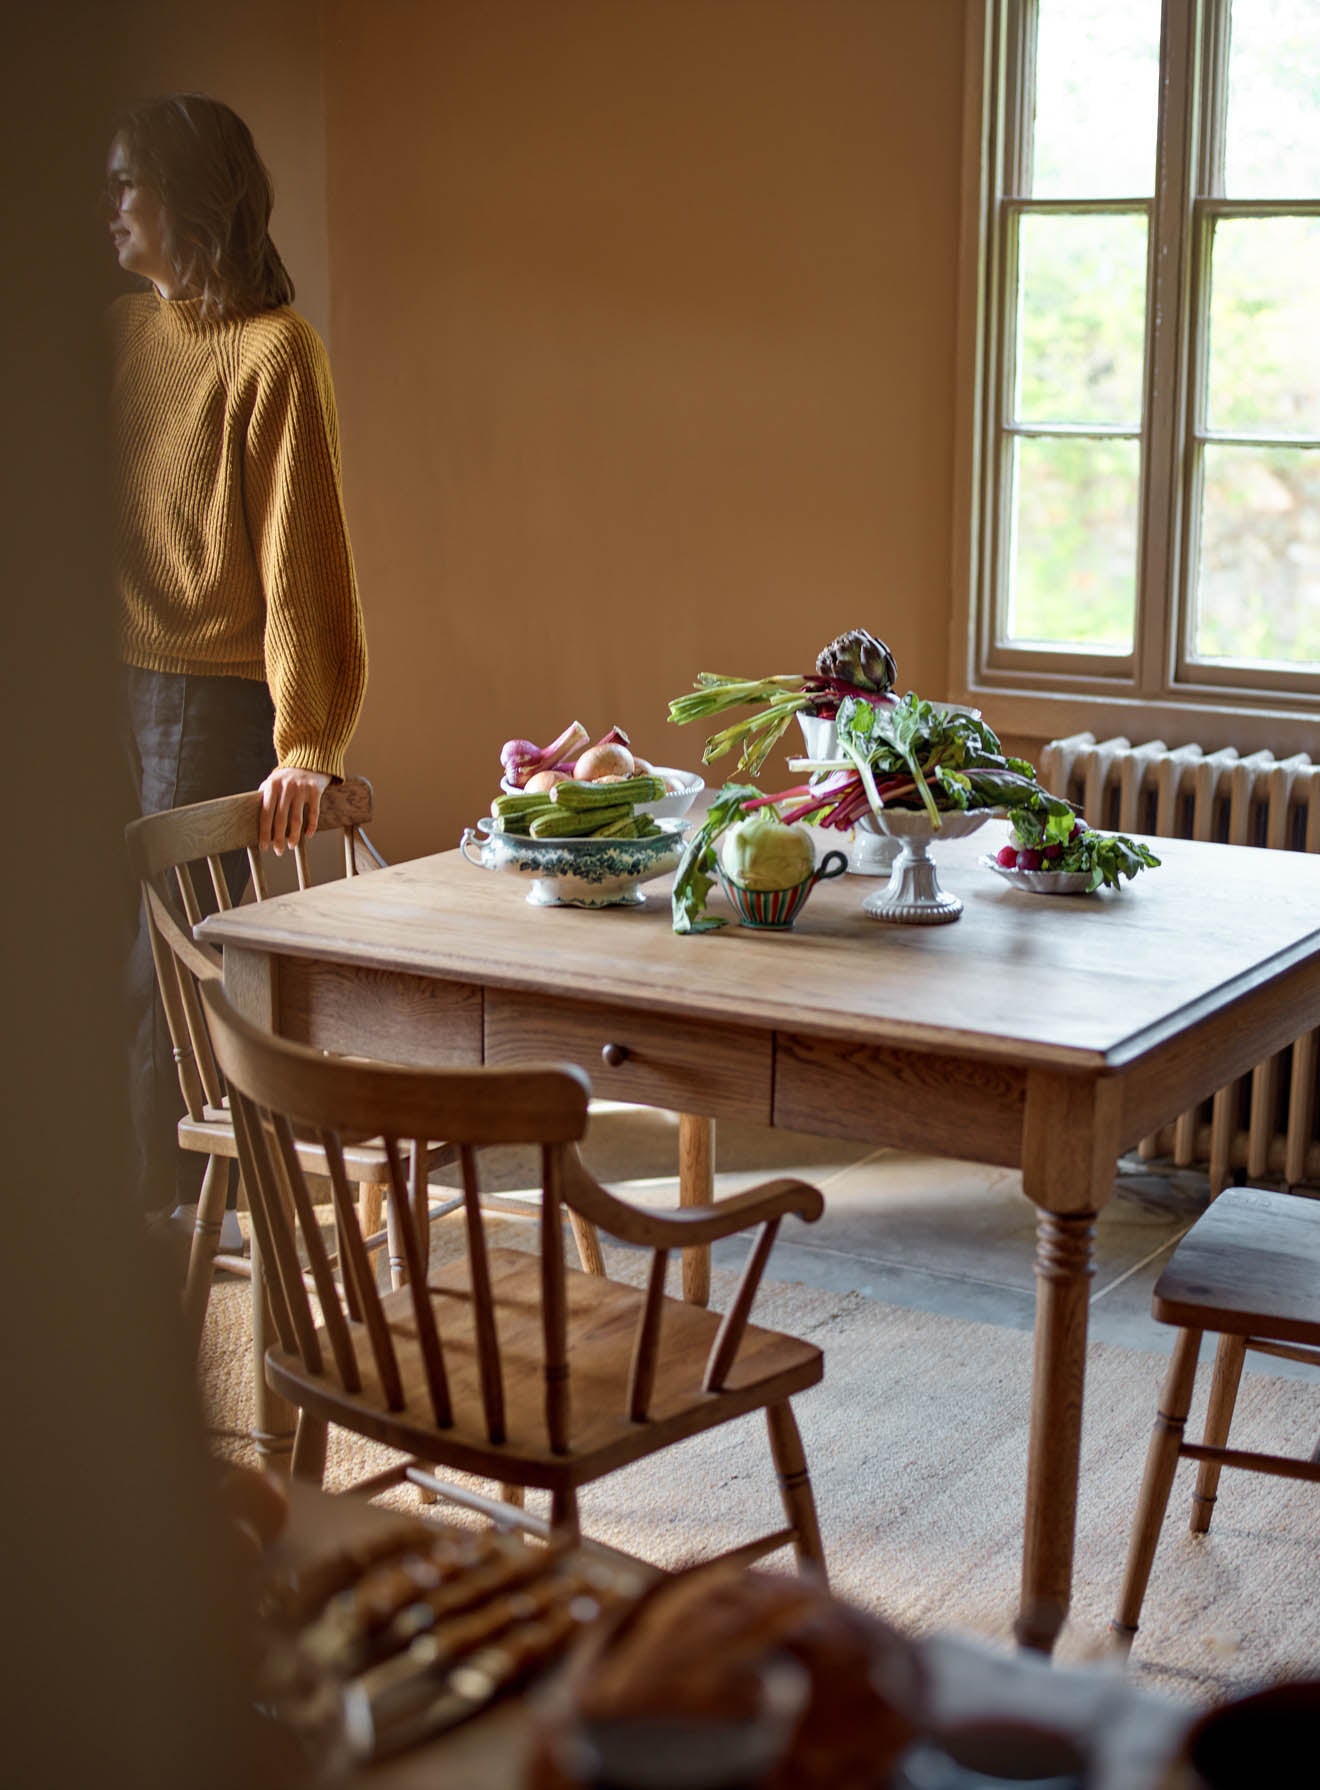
(695, 876)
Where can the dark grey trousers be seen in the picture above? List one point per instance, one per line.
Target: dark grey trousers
(189, 739)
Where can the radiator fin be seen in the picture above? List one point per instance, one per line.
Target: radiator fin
(1265, 1125)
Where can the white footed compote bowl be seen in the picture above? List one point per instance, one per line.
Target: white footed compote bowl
(914, 896)
(869, 853)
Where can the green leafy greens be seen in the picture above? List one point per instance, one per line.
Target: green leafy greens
(920, 755)
(1068, 846)
(695, 877)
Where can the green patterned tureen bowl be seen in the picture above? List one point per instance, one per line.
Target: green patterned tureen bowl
(578, 872)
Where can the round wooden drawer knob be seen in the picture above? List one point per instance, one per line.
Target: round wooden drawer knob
(614, 1055)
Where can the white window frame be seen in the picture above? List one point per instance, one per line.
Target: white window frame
(1152, 692)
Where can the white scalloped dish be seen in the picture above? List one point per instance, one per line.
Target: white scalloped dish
(1040, 882)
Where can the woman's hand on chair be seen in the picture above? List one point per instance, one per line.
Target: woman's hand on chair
(290, 806)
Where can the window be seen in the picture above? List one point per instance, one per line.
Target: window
(1144, 473)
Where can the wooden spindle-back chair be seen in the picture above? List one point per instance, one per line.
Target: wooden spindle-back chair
(180, 859)
(1248, 1271)
(506, 1364)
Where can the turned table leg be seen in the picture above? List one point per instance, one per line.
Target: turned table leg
(696, 1187)
(1063, 1279)
(1069, 1158)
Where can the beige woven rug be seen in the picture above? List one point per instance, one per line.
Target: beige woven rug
(916, 1443)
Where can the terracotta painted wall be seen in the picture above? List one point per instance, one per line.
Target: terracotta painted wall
(643, 325)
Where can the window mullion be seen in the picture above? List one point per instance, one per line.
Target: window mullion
(1212, 31)
(1016, 179)
(1207, 112)
(1168, 326)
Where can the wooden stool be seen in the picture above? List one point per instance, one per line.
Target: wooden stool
(1249, 1271)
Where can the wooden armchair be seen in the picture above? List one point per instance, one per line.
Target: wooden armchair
(171, 853)
(506, 1364)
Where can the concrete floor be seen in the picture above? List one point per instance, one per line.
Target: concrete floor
(921, 1231)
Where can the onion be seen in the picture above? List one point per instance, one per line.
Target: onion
(514, 752)
(544, 781)
(603, 761)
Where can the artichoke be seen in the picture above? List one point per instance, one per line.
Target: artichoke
(859, 659)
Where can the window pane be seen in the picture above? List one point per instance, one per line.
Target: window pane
(1264, 345)
(1273, 139)
(1257, 597)
(1081, 319)
(1072, 576)
(1097, 89)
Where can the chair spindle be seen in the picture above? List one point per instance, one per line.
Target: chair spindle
(729, 1336)
(359, 1272)
(554, 1299)
(280, 1207)
(332, 1316)
(483, 1303)
(646, 1345)
(247, 1131)
(257, 871)
(188, 894)
(219, 885)
(428, 1336)
(174, 987)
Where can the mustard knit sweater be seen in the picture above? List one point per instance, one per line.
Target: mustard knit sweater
(233, 556)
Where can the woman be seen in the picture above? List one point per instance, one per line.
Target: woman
(240, 628)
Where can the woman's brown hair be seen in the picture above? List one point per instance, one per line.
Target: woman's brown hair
(198, 156)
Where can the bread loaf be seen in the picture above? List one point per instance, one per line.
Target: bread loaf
(694, 1648)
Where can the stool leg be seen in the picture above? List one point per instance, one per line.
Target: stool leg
(1161, 1460)
(1229, 1357)
(394, 1245)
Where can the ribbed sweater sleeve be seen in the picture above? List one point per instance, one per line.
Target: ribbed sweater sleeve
(233, 554)
(315, 651)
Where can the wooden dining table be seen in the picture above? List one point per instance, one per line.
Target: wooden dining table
(1047, 1034)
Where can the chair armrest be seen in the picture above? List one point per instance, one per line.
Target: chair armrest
(689, 1226)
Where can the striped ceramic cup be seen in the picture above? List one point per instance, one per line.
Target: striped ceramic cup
(776, 909)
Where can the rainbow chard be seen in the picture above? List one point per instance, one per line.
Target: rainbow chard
(855, 666)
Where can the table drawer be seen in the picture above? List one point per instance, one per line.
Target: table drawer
(946, 1106)
(647, 1058)
(356, 1011)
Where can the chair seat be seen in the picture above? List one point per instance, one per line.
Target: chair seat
(1249, 1266)
(602, 1317)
